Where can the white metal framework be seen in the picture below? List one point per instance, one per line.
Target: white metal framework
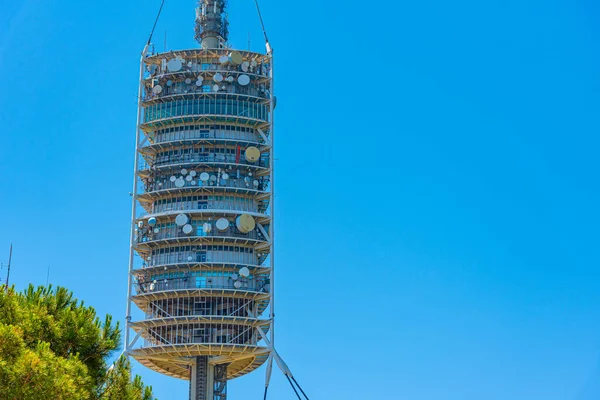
(201, 251)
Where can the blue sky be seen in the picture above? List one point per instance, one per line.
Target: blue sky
(437, 184)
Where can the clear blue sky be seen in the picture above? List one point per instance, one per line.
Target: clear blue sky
(437, 199)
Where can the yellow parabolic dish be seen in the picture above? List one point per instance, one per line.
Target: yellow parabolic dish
(252, 154)
(236, 58)
(245, 223)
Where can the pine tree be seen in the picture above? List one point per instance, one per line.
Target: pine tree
(52, 346)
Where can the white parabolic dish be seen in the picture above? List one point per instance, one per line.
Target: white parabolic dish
(222, 224)
(181, 219)
(244, 80)
(174, 65)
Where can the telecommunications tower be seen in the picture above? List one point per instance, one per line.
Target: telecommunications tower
(201, 258)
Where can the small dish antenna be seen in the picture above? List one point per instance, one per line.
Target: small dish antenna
(174, 65)
(244, 80)
(222, 224)
(245, 223)
(252, 154)
(235, 57)
(181, 220)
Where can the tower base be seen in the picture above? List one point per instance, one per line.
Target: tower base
(207, 382)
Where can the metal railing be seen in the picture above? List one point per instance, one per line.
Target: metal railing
(164, 183)
(207, 205)
(202, 157)
(185, 257)
(191, 282)
(207, 133)
(181, 88)
(174, 232)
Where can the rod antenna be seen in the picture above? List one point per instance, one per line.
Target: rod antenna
(8, 272)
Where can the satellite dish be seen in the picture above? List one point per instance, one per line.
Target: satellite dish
(234, 277)
(190, 258)
(169, 83)
(193, 183)
(204, 176)
(252, 154)
(189, 178)
(188, 81)
(249, 173)
(225, 176)
(156, 230)
(223, 59)
(218, 77)
(193, 174)
(174, 65)
(244, 272)
(187, 229)
(229, 79)
(157, 89)
(199, 82)
(235, 57)
(245, 66)
(243, 80)
(181, 220)
(237, 284)
(247, 180)
(245, 223)
(179, 183)
(255, 183)
(215, 88)
(152, 221)
(206, 227)
(140, 224)
(222, 224)
(253, 63)
(184, 172)
(213, 178)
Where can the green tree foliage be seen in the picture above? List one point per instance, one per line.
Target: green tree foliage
(54, 347)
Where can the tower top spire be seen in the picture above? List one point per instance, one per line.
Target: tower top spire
(212, 27)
